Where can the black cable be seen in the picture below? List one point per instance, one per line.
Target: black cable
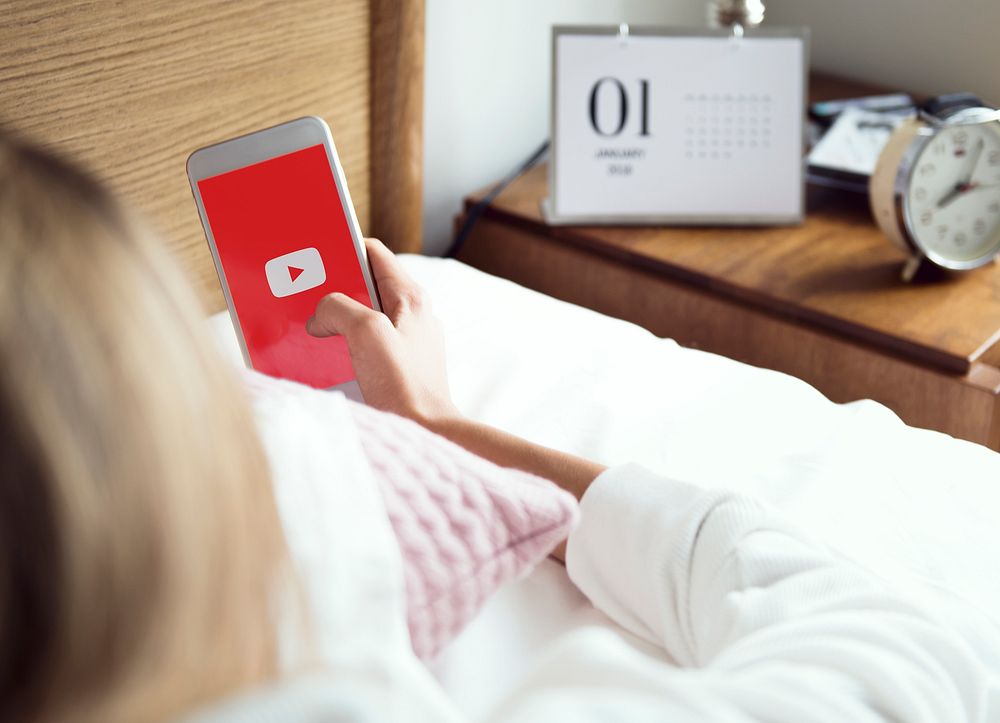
(476, 211)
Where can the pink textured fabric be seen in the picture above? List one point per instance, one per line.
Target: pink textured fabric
(464, 525)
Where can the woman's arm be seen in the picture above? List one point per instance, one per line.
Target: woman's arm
(399, 361)
(573, 474)
(767, 624)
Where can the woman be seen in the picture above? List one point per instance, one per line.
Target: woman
(127, 452)
(145, 572)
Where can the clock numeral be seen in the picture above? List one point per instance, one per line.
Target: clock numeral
(960, 137)
(920, 194)
(979, 227)
(994, 207)
(927, 169)
(939, 149)
(960, 239)
(926, 217)
(942, 230)
(994, 158)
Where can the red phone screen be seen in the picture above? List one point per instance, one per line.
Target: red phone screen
(284, 242)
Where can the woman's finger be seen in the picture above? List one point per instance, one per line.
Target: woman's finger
(399, 294)
(338, 314)
(385, 266)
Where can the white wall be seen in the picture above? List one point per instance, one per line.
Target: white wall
(929, 46)
(486, 87)
(487, 69)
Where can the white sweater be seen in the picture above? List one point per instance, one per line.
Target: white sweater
(765, 624)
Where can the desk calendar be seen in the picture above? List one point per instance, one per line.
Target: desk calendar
(677, 126)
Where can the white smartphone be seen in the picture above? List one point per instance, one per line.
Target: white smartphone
(283, 233)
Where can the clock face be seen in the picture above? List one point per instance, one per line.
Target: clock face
(952, 201)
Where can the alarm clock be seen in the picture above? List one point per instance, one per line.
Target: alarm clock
(935, 190)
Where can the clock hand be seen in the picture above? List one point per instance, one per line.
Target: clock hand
(975, 160)
(954, 193)
(961, 188)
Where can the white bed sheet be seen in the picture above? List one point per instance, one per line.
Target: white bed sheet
(918, 506)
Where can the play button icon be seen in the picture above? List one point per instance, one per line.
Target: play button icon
(295, 272)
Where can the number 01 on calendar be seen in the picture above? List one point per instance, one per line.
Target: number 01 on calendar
(677, 126)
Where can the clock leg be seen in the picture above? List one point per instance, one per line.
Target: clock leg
(918, 269)
(911, 267)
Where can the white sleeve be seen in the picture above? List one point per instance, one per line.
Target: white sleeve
(766, 624)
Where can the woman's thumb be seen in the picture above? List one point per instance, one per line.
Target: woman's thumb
(337, 314)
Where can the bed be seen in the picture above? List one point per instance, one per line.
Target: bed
(130, 90)
(917, 506)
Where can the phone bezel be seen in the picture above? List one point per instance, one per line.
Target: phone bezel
(262, 145)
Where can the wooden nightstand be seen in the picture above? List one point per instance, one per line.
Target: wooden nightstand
(822, 301)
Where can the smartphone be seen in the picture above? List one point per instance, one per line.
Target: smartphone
(283, 233)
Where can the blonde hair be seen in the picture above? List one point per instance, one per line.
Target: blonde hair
(139, 540)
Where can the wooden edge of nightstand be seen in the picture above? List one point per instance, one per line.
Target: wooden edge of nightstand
(898, 345)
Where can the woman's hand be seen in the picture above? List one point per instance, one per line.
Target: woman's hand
(398, 359)
(398, 355)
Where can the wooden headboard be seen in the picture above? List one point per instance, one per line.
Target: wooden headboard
(129, 89)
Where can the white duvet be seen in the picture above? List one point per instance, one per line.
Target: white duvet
(917, 507)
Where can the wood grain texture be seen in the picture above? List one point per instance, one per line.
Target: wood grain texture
(397, 65)
(131, 89)
(963, 405)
